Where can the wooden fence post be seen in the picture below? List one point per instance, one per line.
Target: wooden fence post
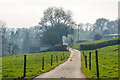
(83, 53)
(43, 63)
(68, 55)
(51, 59)
(57, 59)
(61, 58)
(97, 68)
(24, 65)
(86, 61)
(89, 60)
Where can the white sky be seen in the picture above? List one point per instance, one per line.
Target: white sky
(27, 13)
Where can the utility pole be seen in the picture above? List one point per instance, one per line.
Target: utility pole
(78, 32)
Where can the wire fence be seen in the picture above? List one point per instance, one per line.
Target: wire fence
(97, 63)
(107, 67)
(25, 65)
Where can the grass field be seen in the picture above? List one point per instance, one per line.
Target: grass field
(13, 66)
(0, 68)
(108, 62)
(107, 59)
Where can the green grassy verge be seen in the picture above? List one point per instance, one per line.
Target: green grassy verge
(107, 59)
(13, 66)
(0, 68)
(108, 63)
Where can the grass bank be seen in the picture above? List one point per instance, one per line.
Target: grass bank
(107, 62)
(13, 66)
(107, 59)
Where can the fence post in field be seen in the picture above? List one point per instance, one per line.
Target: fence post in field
(61, 58)
(68, 49)
(89, 60)
(57, 59)
(24, 65)
(63, 55)
(43, 63)
(86, 61)
(97, 68)
(83, 53)
(68, 54)
(51, 59)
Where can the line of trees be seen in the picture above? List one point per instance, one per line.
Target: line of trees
(55, 27)
(97, 30)
(19, 41)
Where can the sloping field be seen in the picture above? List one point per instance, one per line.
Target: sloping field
(13, 66)
(107, 61)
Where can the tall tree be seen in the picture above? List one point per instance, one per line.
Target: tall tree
(57, 23)
(53, 16)
(26, 44)
(100, 24)
(5, 46)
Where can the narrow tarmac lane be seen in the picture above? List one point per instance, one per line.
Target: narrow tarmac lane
(69, 69)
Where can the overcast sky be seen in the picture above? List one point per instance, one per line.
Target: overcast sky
(27, 13)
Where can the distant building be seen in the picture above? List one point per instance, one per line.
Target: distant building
(108, 36)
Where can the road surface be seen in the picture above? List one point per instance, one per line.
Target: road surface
(69, 69)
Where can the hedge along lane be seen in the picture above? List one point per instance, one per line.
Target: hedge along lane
(96, 44)
(99, 45)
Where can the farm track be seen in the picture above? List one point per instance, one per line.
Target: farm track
(69, 69)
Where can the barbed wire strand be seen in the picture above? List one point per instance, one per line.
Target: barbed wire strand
(106, 66)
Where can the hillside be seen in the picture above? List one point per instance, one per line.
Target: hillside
(13, 66)
(107, 61)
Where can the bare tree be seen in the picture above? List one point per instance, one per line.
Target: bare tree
(57, 23)
(53, 16)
